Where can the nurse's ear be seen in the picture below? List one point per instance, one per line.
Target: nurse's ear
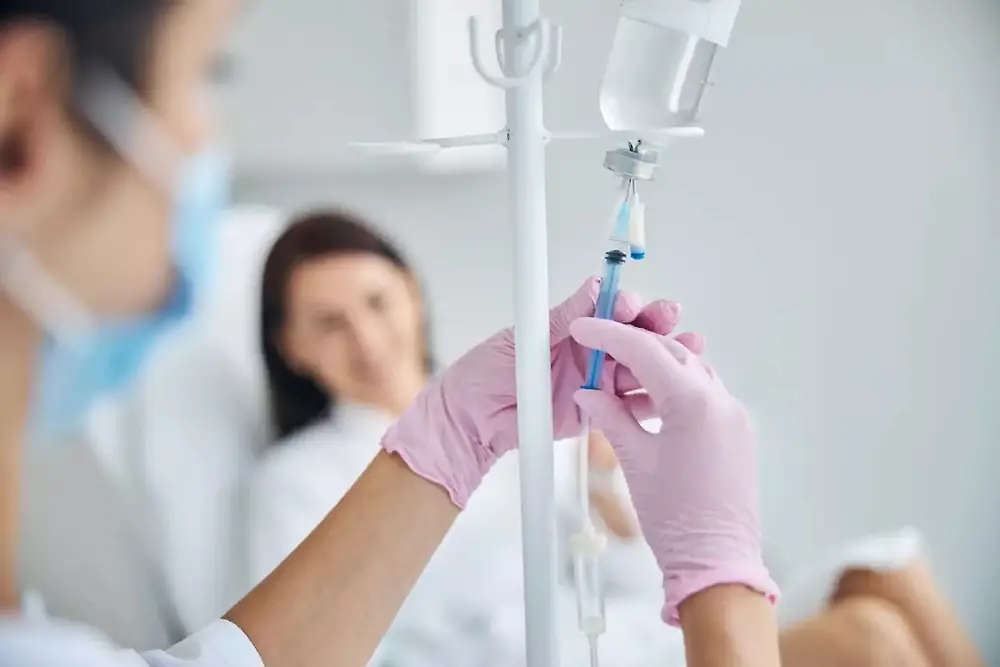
(32, 116)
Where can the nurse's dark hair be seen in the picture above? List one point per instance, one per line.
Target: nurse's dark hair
(117, 34)
(296, 400)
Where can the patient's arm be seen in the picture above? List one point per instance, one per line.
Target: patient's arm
(334, 597)
(604, 500)
(729, 626)
(926, 611)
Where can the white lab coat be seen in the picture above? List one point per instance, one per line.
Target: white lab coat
(50, 644)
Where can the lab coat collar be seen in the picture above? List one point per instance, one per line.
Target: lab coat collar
(360, 419)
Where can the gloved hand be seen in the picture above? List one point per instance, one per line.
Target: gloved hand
(467, 418)
(693, 484)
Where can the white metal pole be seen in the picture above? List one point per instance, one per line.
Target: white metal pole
(526, 177)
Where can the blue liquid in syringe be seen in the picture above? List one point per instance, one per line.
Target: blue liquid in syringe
(613, 261)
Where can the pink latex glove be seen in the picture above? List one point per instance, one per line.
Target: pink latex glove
(467, 418)
(693, 484)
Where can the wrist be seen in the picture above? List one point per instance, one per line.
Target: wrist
(436, 449)
(683, 583)
(730, 625)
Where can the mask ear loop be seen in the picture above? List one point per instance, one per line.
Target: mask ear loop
(41, 297)
(126, 123)
(132, 130)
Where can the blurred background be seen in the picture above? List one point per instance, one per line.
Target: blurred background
(834, 236)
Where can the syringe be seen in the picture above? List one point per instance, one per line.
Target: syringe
(627, 236)
(614, 259)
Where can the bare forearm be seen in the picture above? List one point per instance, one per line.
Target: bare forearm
(729, 626)
(331, 601)
(924, 605)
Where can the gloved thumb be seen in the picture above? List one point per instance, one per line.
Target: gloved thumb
(612, 416)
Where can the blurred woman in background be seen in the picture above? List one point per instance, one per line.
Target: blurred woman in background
(345, 344)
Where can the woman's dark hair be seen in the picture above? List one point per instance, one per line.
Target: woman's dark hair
(117, 34)
(296, 400)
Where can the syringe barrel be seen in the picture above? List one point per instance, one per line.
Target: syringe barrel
(606, 299)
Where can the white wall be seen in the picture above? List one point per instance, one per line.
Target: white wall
(833, 235)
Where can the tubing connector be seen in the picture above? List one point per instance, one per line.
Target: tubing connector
(637, 162)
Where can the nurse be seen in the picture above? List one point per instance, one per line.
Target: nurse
(109, 183)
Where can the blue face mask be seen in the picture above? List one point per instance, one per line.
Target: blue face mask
(107, 356)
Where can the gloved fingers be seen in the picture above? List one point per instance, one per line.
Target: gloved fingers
(612, 416)
(583, 304)
(685, 356)
(640, 405)
(627, 307)
(660, 316)
(580, 304)
(625, 381)
(642, 352)
(679, 351)
(694, 342)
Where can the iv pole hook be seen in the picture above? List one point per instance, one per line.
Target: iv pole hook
(547, 54)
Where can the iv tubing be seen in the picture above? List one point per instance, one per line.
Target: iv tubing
(526, 180)
(587, 545)
(583, 472)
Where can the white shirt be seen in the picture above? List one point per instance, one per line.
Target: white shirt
(299, 480)
(46, 644)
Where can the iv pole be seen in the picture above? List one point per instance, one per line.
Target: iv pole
(528, 50)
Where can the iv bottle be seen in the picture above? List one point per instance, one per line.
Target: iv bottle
(660, 61)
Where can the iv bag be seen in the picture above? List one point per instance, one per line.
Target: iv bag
(655, 77)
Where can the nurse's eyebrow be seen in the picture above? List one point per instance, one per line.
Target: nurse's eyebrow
(318, 311)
